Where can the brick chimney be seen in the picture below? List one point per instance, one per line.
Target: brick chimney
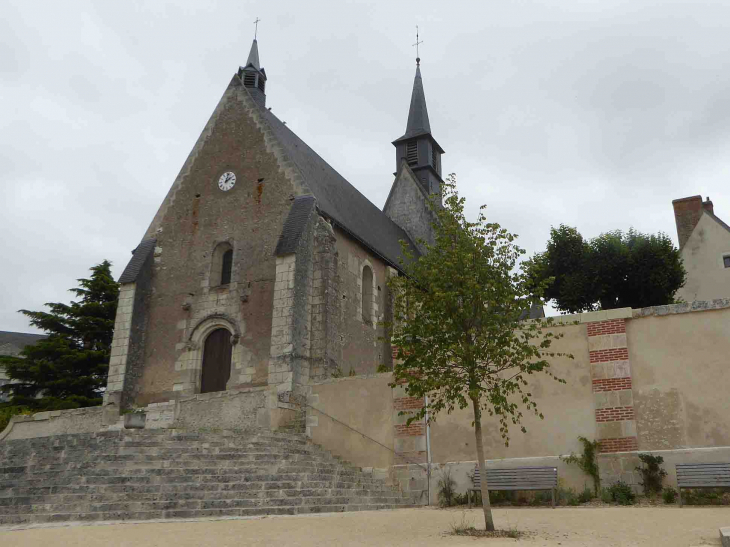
(707, 206)
(687, 213)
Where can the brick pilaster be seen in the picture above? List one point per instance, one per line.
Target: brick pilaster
(612, 386)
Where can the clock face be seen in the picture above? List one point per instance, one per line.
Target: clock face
(227, 181)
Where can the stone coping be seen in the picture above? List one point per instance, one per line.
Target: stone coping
(48, 415)
(349, 378)
(684, 307)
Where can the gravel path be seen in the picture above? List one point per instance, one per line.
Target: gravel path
(567, 527)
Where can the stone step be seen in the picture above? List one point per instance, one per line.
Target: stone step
(139, 475)
(8, 520)
(140, 506)
(37, 498)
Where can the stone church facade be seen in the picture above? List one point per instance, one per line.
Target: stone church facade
(264, 267)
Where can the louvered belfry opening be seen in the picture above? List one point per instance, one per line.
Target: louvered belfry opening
(261, 84)
(434, 158)
(249, 79)
(412, 153)
(216, 361)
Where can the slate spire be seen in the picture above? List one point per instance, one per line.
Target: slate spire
(417, 147)
(253, 56)
(418, 123)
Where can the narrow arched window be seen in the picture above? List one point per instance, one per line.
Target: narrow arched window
(367, 294)
(221, 266)
(226, 267)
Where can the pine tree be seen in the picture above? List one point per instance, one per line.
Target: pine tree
(69, 368)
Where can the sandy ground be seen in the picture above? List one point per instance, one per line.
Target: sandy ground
(568, 527)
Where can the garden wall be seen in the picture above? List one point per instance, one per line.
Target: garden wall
(645, 380)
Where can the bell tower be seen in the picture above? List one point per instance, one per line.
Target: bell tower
(253, 76)
(417, 146)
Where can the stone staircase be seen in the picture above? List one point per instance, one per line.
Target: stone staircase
(164, 474)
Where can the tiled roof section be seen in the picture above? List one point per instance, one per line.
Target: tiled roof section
(12, 342)
(339, 200)
(294, 225)
(139, 256)
(536, 312)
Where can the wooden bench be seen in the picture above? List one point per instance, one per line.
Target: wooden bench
(702, 475)
(517, 478)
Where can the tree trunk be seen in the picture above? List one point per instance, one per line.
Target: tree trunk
(488, 521)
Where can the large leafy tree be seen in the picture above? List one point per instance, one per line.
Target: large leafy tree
(459, 325)
(614, 270)
(69, 368)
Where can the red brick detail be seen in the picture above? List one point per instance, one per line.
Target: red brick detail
(615, 414)
(416, 429)
(606, 355)
(611, 384)
(622, 444)
(394, 351)
(612, 326)
(408, 403)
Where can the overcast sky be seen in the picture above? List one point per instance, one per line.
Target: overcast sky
(595, 114)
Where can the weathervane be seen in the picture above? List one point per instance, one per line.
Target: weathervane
(418, 42)
(256, 31)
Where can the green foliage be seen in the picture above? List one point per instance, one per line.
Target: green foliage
(7, 412)
(652, 473)
(586, 495)
(69, 368)
(457, 320)
(614, 270)
(587, 461)
(669, 495)
(352, 372)
(446, 489)
(706, 496)
(622, 493)
(382, 368)
(337, 373)
(606, 495)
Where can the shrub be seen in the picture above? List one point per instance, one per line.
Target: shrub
(622, 493)
(585, 496)
(446, 488)
(587, 461)
(652, 473)
(7, 412)
(669, 495)
(606, 496)
(707, 496)
(567, 496)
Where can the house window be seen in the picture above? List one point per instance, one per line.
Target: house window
(221, 267)
(367, 294)
(412, 153)
(726, 261)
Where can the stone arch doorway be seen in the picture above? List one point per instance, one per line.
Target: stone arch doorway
(217, 353)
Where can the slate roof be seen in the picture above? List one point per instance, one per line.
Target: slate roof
(10, 341)
(139, 255)
(253, 56)
(295, 223)
(339, 200)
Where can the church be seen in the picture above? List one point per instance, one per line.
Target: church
(264, 266)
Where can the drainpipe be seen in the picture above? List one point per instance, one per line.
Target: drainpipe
(428, 452)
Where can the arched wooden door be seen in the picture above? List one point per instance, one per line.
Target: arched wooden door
(216, 361)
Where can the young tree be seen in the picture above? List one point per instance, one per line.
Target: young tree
(614, 270)
(459, 325)
(69, 368)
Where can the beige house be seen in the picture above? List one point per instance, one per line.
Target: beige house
(704, 242)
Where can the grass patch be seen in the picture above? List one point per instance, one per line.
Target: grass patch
(466, 528)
